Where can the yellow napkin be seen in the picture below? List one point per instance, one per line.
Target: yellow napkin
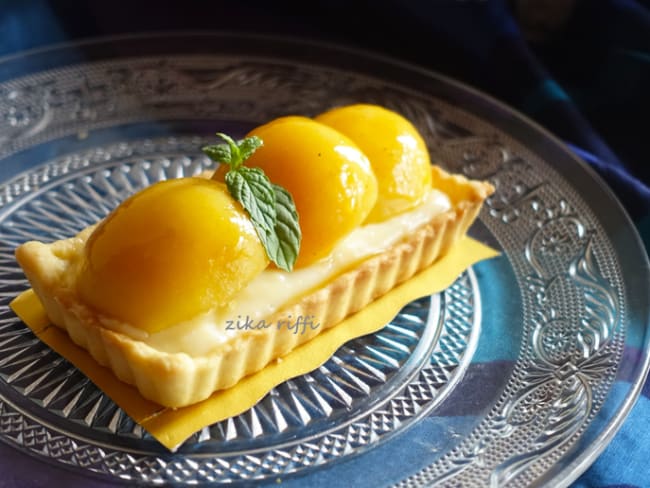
(173, 426)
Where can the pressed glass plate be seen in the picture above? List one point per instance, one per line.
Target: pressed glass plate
(519, 373)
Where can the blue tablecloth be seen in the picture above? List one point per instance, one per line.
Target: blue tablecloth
(580, 68)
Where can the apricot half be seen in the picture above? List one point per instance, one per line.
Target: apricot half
(168, 253)
(329, 177)
(397, 153)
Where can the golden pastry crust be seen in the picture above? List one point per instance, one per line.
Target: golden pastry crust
(177, 379)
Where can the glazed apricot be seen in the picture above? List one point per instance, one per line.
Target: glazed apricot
(397, 153)
(169, 253)
(330, 179)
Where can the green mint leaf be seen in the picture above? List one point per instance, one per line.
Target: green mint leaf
(232, 153)
(270, 207)
(252, 188)
(248, 146)
(219, 153)
(270, 242)
(235, 158)
(287, 230)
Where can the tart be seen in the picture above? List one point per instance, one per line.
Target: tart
(180, 354)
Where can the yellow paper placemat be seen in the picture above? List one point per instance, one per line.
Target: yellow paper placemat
(173, 426)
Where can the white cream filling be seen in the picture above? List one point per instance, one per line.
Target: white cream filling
(273, 288)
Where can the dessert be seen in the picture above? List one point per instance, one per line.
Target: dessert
(174, 292)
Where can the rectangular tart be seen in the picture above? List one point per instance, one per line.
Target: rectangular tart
(177, 379)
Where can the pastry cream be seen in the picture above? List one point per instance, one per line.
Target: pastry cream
(273, 288)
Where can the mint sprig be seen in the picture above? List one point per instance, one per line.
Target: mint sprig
(270, 206)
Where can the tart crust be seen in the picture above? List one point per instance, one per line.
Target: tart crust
(177, 379)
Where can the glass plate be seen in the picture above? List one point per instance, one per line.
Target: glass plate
(519, 373)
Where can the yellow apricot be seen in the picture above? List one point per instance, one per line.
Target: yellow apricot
(397, 153)
(330, 179)
(168, 253)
